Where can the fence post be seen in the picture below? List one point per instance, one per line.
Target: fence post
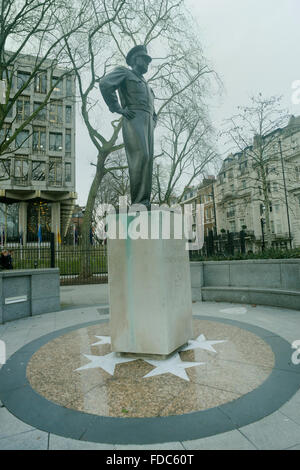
(242, 239)
(230, 244)
(211, 242)
(52, 250)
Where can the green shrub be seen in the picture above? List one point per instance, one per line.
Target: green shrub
(271, 253)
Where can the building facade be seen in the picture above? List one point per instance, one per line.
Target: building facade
(235, 200)
(240, 199)
(38, 172)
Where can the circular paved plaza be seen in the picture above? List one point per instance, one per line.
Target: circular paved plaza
(69, 383)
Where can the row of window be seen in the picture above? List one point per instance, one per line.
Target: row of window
(273, 188)
(39, 139)
(56, 110)
(42, 82)
(229, 174)
(23, 170)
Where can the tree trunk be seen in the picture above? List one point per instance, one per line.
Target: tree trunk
(85, 269)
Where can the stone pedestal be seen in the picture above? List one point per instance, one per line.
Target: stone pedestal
(149, 288)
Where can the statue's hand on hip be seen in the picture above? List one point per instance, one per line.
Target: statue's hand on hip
(127, 113)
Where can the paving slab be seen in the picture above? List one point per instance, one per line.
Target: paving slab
(158, 446)
(232, 440)
(32, 440)
(10, 425)
(291, 409)
(62, 443)
(275, 432)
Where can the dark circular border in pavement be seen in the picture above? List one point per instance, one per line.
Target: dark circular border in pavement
(27, 405)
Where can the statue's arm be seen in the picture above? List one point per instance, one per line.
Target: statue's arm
(108, 86)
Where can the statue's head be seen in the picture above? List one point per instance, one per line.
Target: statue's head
(138, 58)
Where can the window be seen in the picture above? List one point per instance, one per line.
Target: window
(55, 112)
(275, 187)
(23, 108)
(40, 82)
(55, 172)
(277, 208)
(68, 172)
(39, 139)
(22, 78)
(68, 114)
(242, 222)
(69, 86)
(4, 168)
(243, 166)
(58, 83)
(244, 184)
(278, 227)
(38, 171)
(230, 174)
(68, 141)
(21, 169)
(42, 114)
(232, 226)
(272, 226)
(22, 139)
(297, 168)
(55, 141)
(231, 210)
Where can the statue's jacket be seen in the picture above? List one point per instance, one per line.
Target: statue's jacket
(135, 94)
(134, 91)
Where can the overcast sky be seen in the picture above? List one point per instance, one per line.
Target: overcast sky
(254, 47)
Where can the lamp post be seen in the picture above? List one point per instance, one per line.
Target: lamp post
(214, 202)
(262, 222)
(285, 193)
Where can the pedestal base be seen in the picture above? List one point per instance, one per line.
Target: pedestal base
(150, 292)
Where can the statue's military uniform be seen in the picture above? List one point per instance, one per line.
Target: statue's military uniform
(135, 94)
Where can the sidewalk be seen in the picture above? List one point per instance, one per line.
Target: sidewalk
(83, 296)
(82, 304)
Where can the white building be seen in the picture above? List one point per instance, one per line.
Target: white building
(239, 193)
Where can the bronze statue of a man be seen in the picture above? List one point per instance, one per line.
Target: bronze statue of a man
(139, 119)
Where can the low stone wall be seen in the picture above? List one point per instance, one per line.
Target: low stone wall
(28, 292)
(265, 282)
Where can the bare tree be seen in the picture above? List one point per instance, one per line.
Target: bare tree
(36, 30)
(186, 147)
(161, 25)
(255, 132)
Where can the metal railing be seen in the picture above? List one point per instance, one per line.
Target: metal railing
(77, 265)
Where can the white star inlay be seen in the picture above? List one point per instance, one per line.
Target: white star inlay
(174, 365)
(106, 362)
(201, 343)
(103, 340)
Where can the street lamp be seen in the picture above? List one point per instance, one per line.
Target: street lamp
(262, 223)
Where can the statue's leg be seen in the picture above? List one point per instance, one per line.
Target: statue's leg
(139, 151)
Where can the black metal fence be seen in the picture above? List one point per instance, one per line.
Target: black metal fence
(77, 265)
(227, 244)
